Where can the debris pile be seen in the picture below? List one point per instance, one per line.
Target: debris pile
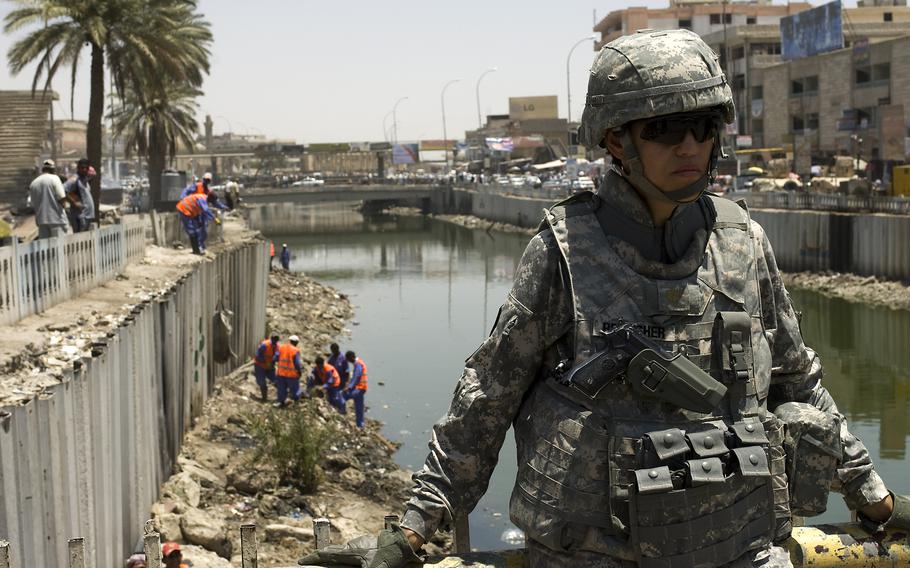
(217, 486)
(853, 288)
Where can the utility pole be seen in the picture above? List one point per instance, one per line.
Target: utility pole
(445, 141)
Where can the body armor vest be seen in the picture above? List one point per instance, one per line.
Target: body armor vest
(672, 487)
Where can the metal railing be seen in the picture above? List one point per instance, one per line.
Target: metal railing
(824, 202)
(37, 275)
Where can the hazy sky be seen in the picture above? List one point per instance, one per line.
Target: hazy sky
(332, 70)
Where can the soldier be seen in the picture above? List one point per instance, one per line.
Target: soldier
(666, 409)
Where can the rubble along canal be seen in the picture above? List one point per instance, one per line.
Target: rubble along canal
(426, 293)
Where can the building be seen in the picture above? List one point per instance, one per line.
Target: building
(852, 101)
(746, 50)
(701, 16)
(23, 132)
(533, 124)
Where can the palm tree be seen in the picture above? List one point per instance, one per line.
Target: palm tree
(152, 121)
(146, 41)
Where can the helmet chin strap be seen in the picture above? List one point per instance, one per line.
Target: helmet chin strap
(634, 171)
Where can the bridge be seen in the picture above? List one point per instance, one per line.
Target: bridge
(336, 193)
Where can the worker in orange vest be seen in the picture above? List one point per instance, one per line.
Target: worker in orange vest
(264, 364)
(288, 369)
(195, 215)
(357, 388)
(271, 254)
(201, 186)
(325, 376)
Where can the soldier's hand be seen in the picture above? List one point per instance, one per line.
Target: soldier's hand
(390, 549)
(892, 512)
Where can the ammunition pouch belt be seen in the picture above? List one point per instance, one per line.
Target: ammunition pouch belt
(814, 452)
(704, 497)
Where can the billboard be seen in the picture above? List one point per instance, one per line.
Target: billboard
(500, 144)
(405, 154)
(812, 32)
(526, 108)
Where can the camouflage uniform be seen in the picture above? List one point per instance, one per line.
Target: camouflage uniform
(507, 380)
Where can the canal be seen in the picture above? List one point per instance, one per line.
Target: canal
(426, 293)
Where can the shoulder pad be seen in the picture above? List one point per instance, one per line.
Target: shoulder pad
(730, 213)
(578, 204)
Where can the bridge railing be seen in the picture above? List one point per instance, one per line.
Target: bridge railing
(37, 275)
(824, 202)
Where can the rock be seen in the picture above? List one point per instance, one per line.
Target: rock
(353, 477)
(207, 530)
(162, 508)
(182, 487)
(339, 462)
(276, 531)
(249, 481)
(202, 558)
(168, 525)
(58, 327)
(204, 476)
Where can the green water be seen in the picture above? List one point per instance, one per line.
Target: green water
(426, 293)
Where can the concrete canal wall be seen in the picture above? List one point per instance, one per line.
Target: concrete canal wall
(88, 456)
(811, 241)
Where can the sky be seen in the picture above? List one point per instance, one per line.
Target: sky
(332, 71)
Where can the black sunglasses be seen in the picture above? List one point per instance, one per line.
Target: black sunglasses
(672, 129)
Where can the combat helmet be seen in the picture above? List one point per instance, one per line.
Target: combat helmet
(653, 73)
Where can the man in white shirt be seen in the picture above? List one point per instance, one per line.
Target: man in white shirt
(47, 196)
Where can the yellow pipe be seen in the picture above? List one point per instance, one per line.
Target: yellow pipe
(847, 545)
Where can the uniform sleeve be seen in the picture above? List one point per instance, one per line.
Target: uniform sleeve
(796, 375)
(355, 377)
(465, 443)
(260, 354)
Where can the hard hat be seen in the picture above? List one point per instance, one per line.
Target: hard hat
(294, 339)
(652, 73)
(207, 175)
(169, 548)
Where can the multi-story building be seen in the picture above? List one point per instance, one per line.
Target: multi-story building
(852, 101)
(701, 16)
(748, 50)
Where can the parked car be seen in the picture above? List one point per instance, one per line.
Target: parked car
(308, 181)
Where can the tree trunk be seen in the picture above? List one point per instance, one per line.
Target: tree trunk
(157, 150)
(93, 132)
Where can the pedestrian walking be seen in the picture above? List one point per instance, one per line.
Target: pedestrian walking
(340, 362)
(324, 376)
(288, 369)
(648, 357)
(264, 364)
(172, 555)
(195, 214)
(48, 197)
(357, 390)
(79, 194)
(285, 257)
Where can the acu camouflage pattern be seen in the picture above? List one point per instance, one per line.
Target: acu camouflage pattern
(652, 73)
(578, 458)
(534, 331)
(812, 442)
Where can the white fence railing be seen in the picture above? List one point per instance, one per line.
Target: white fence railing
(824, 202)
(37, 275)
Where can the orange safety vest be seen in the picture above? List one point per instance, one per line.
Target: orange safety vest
(330, 377)
(271, 248)
(269, 355)
(190, 205)
(285, 367)
(200, 188)
(362, 385)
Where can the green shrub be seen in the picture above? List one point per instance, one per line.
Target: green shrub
(294, 440)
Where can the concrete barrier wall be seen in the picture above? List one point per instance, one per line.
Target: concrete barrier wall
(87, 458)
(803, 241)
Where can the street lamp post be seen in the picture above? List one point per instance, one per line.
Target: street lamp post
(592, 37)
(385, 129)
(395, 120)
(477, 92)
(442, 99)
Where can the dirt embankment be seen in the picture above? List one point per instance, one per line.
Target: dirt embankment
(853, 288)
(219, 486)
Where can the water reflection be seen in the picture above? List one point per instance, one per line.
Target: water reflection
(426, 293)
